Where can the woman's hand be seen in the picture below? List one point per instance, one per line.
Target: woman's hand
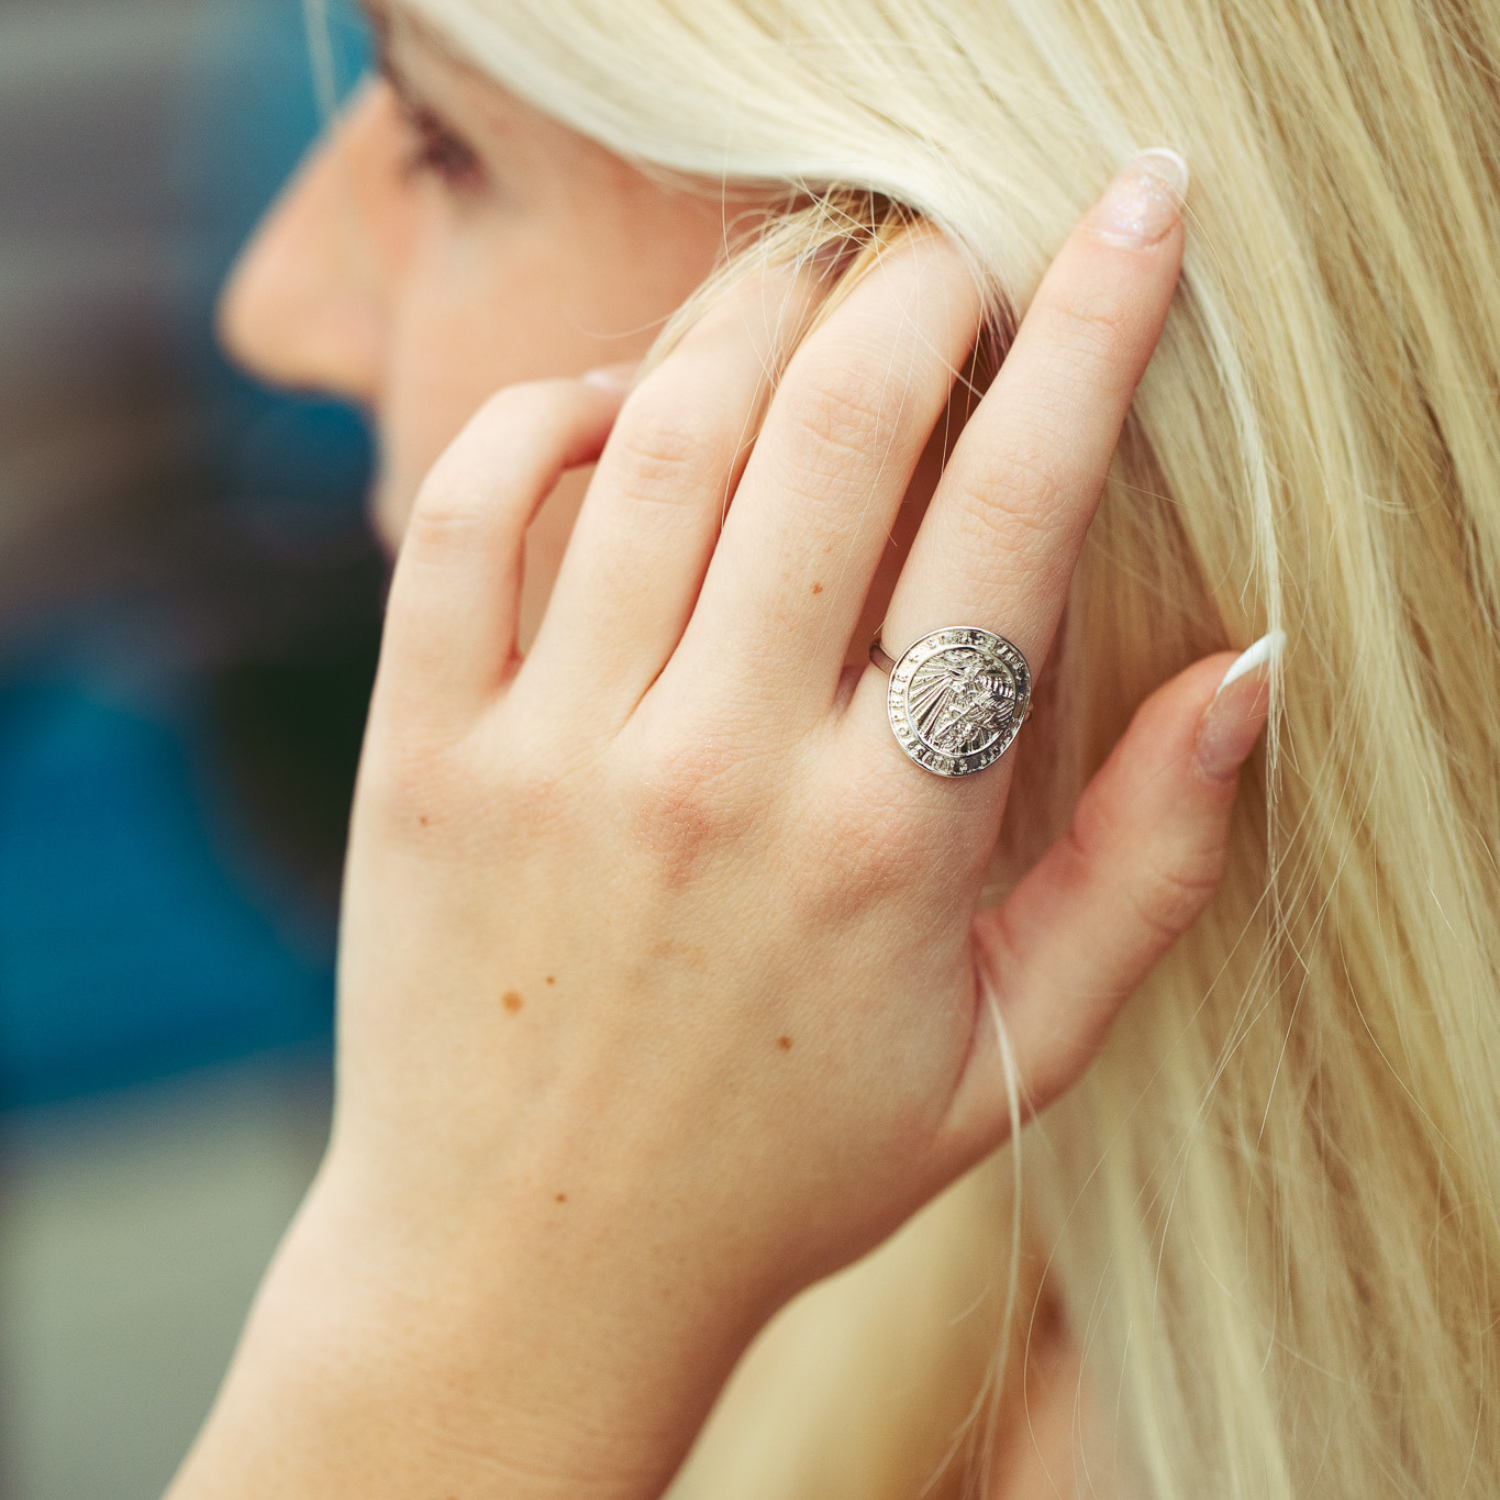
(663, 989)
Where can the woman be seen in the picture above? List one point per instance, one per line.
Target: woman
(663, 991)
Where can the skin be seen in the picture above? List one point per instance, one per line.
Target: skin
(414, 282)
(416, 288)
(664, 991)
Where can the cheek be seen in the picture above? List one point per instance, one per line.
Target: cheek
(466, 325)
(455, 337)
(496, 300)
(475, 316)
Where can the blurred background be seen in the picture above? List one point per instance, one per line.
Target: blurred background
(189, 611)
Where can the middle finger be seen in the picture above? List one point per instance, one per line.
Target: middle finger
(830, 469)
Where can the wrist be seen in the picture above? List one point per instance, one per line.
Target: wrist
(383, 1359)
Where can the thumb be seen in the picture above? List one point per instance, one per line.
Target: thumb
(1141, 859)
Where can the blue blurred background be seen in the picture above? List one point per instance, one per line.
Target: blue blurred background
(189, 594)
(189, 614)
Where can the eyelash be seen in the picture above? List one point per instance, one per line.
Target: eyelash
(437, 151)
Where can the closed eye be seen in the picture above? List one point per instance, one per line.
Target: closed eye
(438, 150)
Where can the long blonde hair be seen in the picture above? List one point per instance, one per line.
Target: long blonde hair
(1272, 1211)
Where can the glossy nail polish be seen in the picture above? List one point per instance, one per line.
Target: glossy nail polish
(1236, 715)
(1143, 202)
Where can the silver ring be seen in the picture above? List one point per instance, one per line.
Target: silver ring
(957, 698)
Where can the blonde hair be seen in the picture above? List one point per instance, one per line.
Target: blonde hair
(1271, 1210)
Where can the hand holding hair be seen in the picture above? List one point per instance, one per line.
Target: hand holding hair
(664, 990)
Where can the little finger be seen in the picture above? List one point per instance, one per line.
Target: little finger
(450, 634)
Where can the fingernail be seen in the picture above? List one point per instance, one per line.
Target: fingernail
(1264, 651)
(1144, 201)
(1234, 718)
(612, 378)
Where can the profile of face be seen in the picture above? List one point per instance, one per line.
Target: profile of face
(446, 239)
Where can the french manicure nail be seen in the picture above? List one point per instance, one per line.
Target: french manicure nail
(612, 378)
(1144, 201)
(1265, 650)
(1237, 712)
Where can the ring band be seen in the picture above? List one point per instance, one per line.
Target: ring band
(957, 698)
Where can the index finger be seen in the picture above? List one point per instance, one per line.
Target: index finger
(1000, 540)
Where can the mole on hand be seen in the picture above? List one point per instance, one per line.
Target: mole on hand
(785, 1043)
(551, 979)
(562, 1197)
(512, 1001)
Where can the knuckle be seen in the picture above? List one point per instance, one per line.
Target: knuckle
(659, 456)
(447, 515)
(409, 780)
(1091, 328)
(462, 495)
(687, 802)
(844, 412)
(451, 793)
(1168, 897)
(534, 781)
(885, 858)
(1165, 887)
(491, 468)
(879, 847)
(1010, 496)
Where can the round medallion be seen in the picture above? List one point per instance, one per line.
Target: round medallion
(957, 699)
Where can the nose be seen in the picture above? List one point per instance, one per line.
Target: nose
(305, 306)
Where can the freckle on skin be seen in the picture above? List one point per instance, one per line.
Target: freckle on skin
(817, 588)
(785, 1043)
(422, 819)
(512, 1001)
(551, 980)
(562, 1197)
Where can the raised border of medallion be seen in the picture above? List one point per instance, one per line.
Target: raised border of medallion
(974, 637)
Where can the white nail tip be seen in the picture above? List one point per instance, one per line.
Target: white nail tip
(1177, 173)
(1267, 648)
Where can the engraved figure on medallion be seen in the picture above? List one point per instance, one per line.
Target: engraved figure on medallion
(961, 701)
